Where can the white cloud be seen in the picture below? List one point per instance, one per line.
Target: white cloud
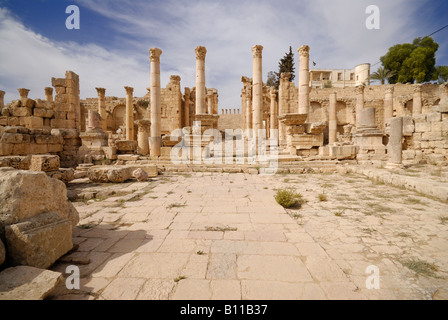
(335, 31)
(30, 60)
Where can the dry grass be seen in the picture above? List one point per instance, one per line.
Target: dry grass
(289, 198)
(421, 267)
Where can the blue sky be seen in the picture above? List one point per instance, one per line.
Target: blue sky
(111, 48)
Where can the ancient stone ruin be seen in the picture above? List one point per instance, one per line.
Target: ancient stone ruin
(49, 149)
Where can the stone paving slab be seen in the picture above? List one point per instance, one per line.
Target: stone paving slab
(223, 236)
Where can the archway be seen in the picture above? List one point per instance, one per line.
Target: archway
(118, 117)
(342, 115)
(408, 108)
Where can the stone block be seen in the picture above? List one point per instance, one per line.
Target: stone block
(110, 152)
(58, 82)
(119, 175)
(126, 146)
(39, 112)
(39, 241)
(26, 194)
(128, 157)
(21, 149)
(49, 114)
(21, 112)
(3, 121)
(33, 122)
(63, 107)
(435, 158)
(151, 170)
(436, 126)
(408, 126)
(61, 98)
(38, 148)
(55, 148)
(44, 163)
(105, 174)
(43, 104)
(64, 174)
(432, 136)
(61, 115)
(13, 121)
(422, 127)
(61, 90)
(16, 162)
(28, 103)
(28, 283)
(419, 118)
(408, 154)
(432, 117)
(70, 124)
(140, 175)
(14, 138)
(71, 115)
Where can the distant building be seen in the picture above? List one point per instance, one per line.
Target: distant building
(340, 78)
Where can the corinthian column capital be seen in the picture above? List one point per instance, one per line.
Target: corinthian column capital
(200, 53)
(304, 51)
(154, 54)
(257, 51)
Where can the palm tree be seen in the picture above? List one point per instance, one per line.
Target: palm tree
(382, 75)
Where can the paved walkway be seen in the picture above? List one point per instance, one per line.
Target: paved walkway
(223, 236)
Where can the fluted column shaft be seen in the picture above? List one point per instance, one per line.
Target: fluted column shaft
(257, 89)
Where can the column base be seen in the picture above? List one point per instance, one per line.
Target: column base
(155, 146)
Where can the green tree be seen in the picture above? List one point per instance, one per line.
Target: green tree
(272, 79)
(286, 65)
(441, 74)
(382, 75)
(412, 62)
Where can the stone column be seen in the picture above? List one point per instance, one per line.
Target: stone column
(215, 101)
(249, 109)
(332, 119)
(388, 105)
(2, 99)
(142, 136)
(187, 107)
(200, 80)
(273, 121)
(155, 142)
(395, 141)
(93, 121)
(129, 113)
(257, 89)
(49, 94)
(210, 101)
(304, 79)
(444, 94)
(23, 94)
(274, 113)
(359, 105)
(417, 100)
(102, 107)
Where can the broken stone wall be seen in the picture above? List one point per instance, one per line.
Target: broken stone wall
(172, 104)
(426, 137)
(30, 126)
